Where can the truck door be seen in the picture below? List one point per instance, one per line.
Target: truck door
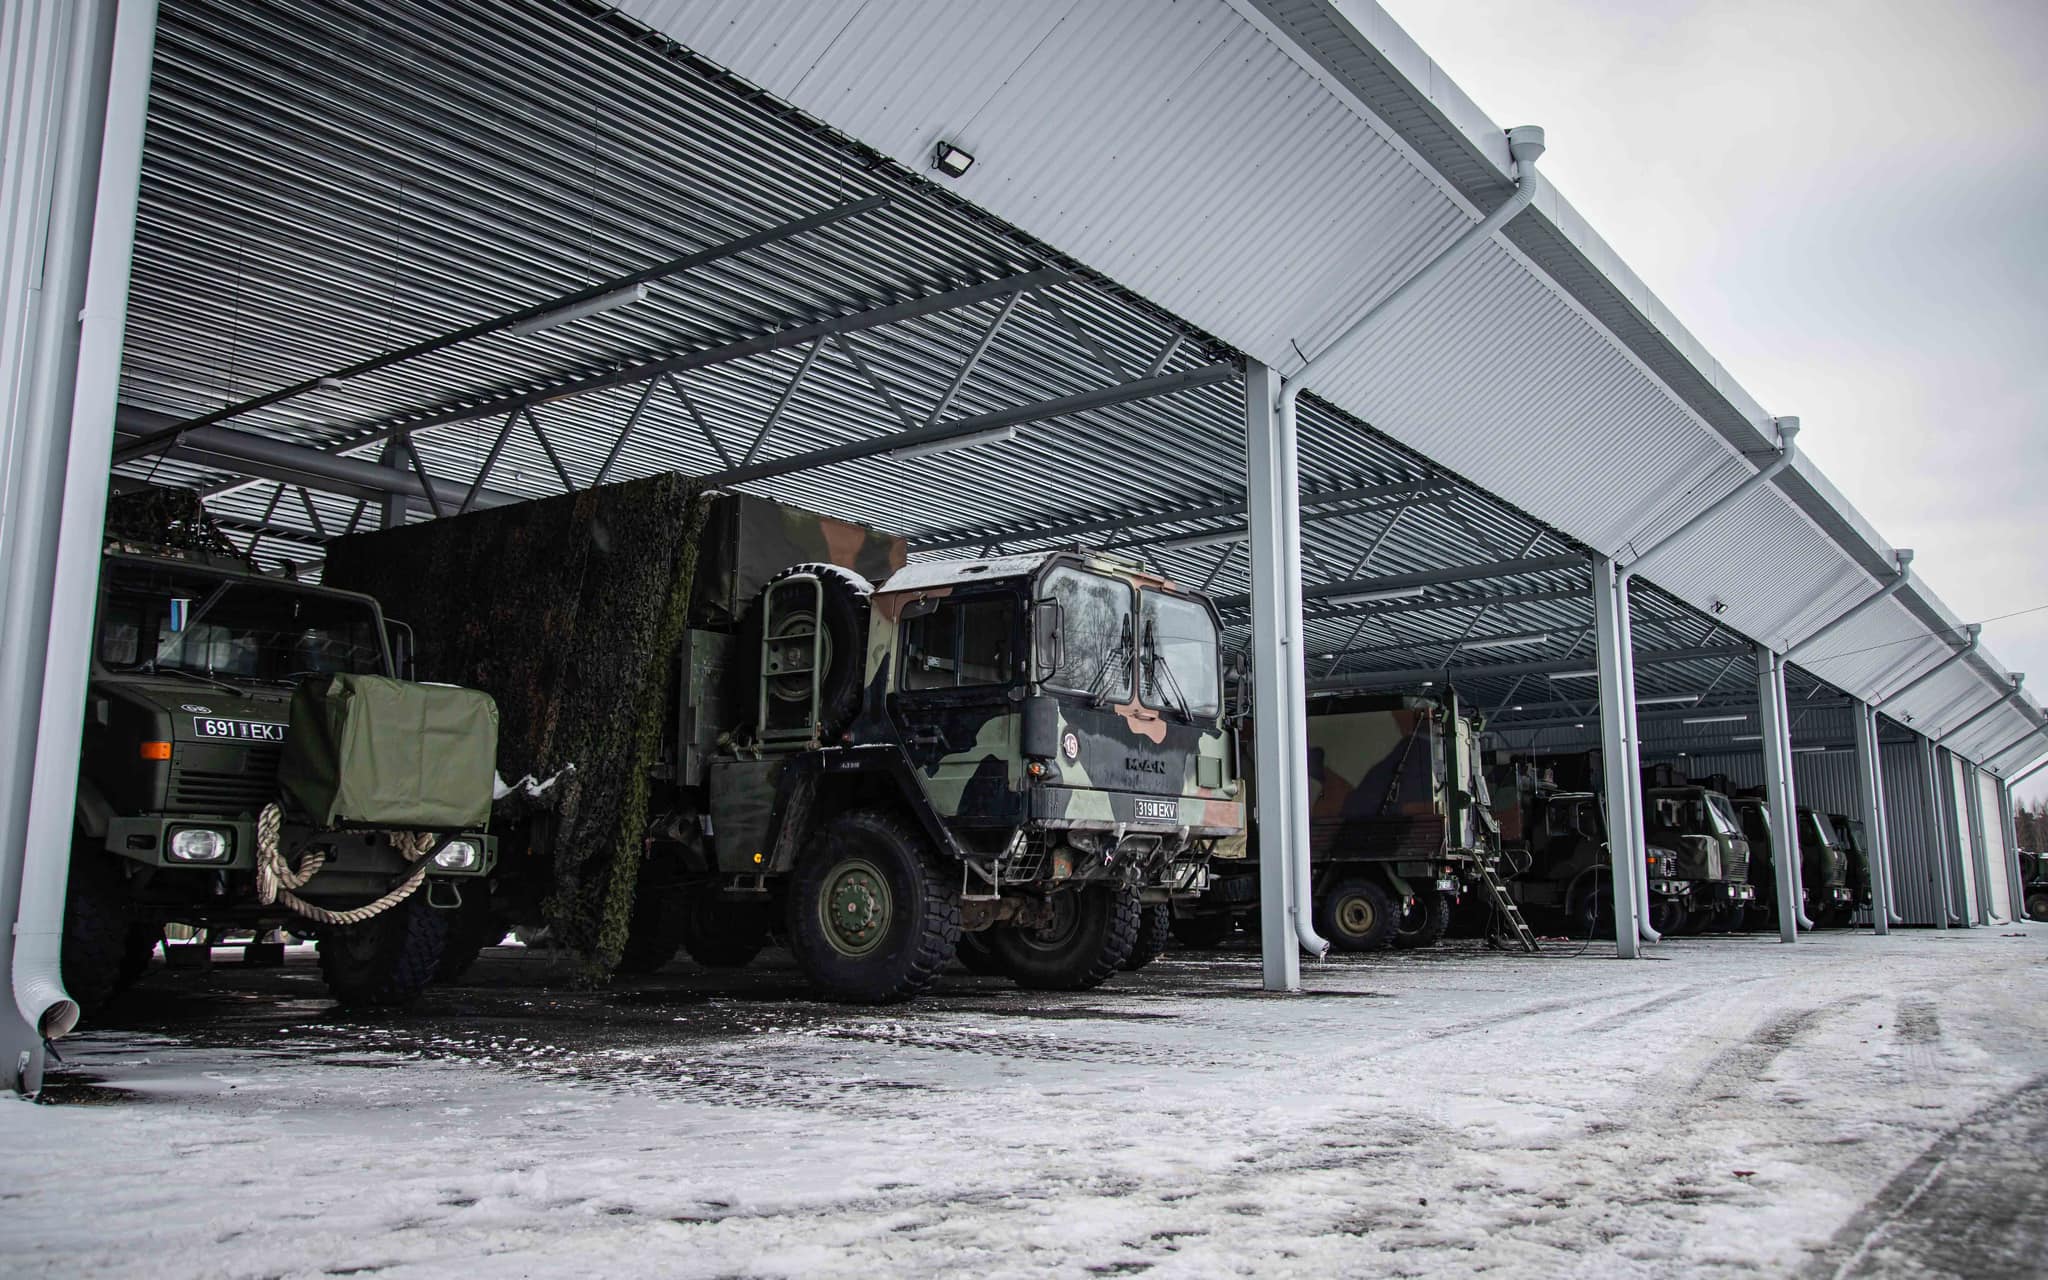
(958, 692)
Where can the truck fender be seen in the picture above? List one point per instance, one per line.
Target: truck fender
(884, 769)
(92, 814)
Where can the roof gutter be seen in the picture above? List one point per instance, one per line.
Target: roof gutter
(1525, 144)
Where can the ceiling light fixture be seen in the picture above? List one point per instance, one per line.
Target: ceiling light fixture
(926, 448)
(1668, 699)
(951, 160)
(1504, 642)
(1195, 540)
(1746, 737)
(1587, 674)
(1370, 597)
(581, 310)
(1741, 719)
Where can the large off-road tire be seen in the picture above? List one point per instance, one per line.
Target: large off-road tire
(654, 932)
(1760, 918)
(1670, 916)
(872, 919)
(1091, 934)
(386, 961)
(1201, 933)
(2037, 904)
(846, 642)
(98, 951)
(136, 953)
(1155, 927)
(1424, 922)
(723, 935)
(1357, 915)
(471, 927)
(1589, 906)
(974, 955)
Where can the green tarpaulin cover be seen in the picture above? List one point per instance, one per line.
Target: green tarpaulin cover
(369, 751)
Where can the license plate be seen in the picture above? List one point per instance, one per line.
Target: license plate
(1447, 886)
(1167, 809)
(239, 730)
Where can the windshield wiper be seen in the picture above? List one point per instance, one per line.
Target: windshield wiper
(1109, 660)
(1162, 673)
(203, 679)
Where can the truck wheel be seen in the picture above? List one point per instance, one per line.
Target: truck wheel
(1357, 915)
(1092, 932)
(1424, 923)
(1200, 933)
(136, 954)
(97, 951)
(724, 935)
(1155, 926)
(387, 960)
(2037, 905)
(974, 955)
(654, 932)
(845, 647)
(871, 919)
(1668, 916)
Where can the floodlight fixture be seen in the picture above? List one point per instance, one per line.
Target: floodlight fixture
(581, 310)
(951, 160)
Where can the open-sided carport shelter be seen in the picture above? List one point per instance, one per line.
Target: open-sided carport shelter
(991, 276)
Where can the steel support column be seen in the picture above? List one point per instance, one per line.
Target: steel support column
(1939, 815)
(1870, 777)
(1779, 794)
(77, 75)
(1620, 762)
(1281, 783)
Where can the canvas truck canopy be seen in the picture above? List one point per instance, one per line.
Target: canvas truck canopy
(370, 751)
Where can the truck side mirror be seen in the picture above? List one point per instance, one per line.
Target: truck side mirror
(1048, 639)
(399, 636)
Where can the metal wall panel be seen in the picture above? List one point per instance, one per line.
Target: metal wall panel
(1997, 847)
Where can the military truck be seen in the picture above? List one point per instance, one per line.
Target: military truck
(1824, 871)
(1853, 842)
(218, 701)
(873, 758)
(1399, 819)
(1753, 815)
(1568, 880)
(1708, 854)
(2034, 884)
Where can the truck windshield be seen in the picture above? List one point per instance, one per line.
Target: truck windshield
(1097, 637)
(176, 619)
(1724, 814)
(1821, 829)
(1179, 660)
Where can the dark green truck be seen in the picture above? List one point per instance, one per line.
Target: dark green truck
(204, 676)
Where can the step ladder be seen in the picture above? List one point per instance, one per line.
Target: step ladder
(1505, 908)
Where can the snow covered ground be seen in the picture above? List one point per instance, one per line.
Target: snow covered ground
(1848, 1106)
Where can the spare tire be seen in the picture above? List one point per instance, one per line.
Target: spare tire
(844, 657)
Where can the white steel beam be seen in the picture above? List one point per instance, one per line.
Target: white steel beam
(1280, 786)
(1778, 788)
(1620, 761)
(1876, 840)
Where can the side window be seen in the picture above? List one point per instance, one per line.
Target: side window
(960, 644)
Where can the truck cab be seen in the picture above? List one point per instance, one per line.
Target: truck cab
(1697, 828)
(1825, 861)
(1568, 882)
(195, 662)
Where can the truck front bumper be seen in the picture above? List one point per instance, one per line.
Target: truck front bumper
(154, 842)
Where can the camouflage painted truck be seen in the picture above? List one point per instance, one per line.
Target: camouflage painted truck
(1855, 844)
(222, 700)
(785, 728)
(1400, 826)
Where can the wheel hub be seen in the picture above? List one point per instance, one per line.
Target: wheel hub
(856, 907)
(1356, 916)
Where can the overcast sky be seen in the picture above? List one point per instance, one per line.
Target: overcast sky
(1846, 202)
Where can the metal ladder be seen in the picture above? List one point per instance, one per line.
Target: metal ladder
(1504, 906)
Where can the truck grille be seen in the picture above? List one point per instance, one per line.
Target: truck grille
(1735, 865)
(226, 791)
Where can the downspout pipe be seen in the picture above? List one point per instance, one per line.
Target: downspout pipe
(1904, 558)
(1999, 703)
(1525, 145)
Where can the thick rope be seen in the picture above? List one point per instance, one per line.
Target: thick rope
(276, 878)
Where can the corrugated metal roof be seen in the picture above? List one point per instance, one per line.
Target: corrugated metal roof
(323, 183)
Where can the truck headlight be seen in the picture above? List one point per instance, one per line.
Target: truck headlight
(201, 844)
(457, 855)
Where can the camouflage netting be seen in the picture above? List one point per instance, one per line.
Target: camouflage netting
(569, 612)
(157, 517)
